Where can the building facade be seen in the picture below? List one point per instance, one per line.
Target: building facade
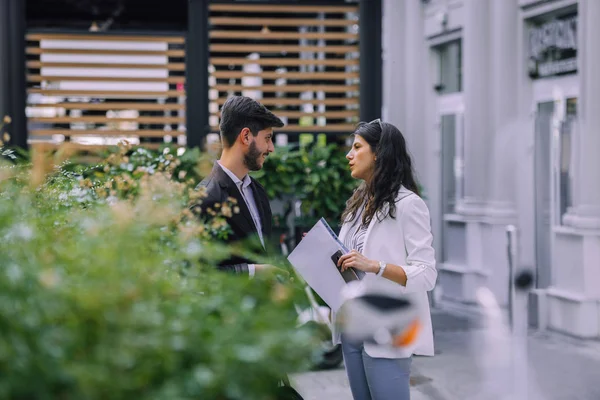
(500, 104)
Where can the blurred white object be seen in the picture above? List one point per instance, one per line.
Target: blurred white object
(373, 311)
(502, 355)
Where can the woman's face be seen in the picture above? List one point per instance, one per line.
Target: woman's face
(361, 159)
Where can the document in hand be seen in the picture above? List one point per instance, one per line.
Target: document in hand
(315, 259)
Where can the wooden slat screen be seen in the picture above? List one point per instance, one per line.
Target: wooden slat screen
(301, 61)
(95, 89)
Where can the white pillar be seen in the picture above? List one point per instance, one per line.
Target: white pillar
(417, 74)
(394, 64)
(405, 70)
(504, 111)
(573, 299)
(585, 212)
(476, 94)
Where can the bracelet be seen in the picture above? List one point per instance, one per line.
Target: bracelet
(382, 266)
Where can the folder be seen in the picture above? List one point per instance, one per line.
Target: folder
(315, 259)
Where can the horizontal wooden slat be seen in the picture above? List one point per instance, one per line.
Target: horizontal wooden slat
(111, 106)
(40, 78)
(169, 66)
(288, 75)
(298, 128)
(241, 21)
(297, 102)
(326, 114)
(100, 132)
(105, 120)
(281, 8)
(102, 93)
(283, 61)
(168, 53)
(50, 146)
(102, 37)
(289, 88)
(271, 48)
(282, 35)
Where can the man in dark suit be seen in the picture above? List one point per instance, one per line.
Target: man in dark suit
(247, 139)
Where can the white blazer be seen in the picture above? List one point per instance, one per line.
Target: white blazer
(405, 241)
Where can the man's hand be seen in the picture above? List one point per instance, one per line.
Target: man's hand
(264, 267)
(268, 268)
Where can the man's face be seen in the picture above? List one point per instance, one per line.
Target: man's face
(258, 150)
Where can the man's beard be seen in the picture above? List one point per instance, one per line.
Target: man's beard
(251, 158)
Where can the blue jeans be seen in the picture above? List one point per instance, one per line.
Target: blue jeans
(376, 378)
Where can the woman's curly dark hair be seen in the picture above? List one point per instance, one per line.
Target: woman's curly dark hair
(393, 168)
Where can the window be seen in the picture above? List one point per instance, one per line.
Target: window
(449, 67)
(565, 170)
(452, 161)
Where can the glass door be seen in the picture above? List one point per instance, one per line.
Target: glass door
(543, 192)
(553, 177)
(452, 164)
(564, 162)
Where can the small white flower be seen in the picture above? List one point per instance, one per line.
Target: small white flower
(88, 224)
(14, 273)
(193, 249)
(77, 192)
(248, 303)
(21, 231)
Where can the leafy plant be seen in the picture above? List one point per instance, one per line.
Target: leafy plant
(283, 172)
(120, 299)
(318, 176)
(328, 184)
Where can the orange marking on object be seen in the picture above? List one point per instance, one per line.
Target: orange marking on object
(408, 336)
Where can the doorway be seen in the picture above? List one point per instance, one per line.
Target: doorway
(542, 192)
(450, 120)
(553, 175)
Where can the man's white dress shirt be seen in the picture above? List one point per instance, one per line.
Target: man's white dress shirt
(246, 192)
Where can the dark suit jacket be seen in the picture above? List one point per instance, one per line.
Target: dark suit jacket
(219, 187)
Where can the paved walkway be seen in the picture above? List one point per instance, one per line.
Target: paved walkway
(473, 364)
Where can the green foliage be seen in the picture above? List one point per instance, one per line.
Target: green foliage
(123, 168)
(316, 175)
(328, 183)
(112, 292)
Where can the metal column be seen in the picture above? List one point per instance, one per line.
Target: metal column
(12, 69)
(197, 59)
(371, 70)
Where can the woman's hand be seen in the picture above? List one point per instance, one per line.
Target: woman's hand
(356, 260)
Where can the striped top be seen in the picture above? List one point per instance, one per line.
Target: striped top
(355, 239)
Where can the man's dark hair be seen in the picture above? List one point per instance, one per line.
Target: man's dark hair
(241, 112)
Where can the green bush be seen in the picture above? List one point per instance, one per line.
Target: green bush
(111, 292)
(316, 175)
(328, 184)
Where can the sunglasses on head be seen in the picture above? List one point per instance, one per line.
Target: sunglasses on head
(378, 120)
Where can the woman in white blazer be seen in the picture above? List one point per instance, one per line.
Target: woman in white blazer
(387, 226)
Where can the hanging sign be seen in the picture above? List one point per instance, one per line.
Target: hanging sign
(553, 47)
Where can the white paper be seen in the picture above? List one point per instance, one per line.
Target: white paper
(312, 260)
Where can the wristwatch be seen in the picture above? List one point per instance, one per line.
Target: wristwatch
(382, 266)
